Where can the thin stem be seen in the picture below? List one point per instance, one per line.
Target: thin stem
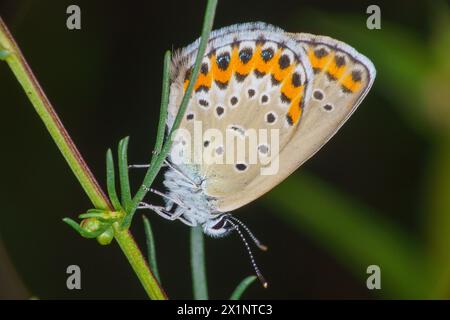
(138, 262)
(164, 103)
(42, 105)
(151, 250)
(198, 267)
(154, 169)
(155, 163)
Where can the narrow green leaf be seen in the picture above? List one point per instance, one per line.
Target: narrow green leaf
(198, 267)
(162, 112)
(96, 215)
(242, 286)
(123, 173)
(207, 26)
(111, 181)
(84, 233)
(164, 103)
(151, 251)
(94, 210)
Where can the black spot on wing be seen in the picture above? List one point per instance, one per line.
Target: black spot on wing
(284, 61)
(356, 76)
(296, 80)
(267, 54)
(223, 61)
(245, 55)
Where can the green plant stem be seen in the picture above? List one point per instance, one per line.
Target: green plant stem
(42, 105)
(155, 166)
(138, 262)
(164, 103)
(198, 267)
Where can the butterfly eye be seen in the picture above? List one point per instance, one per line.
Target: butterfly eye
(219, 225)
(267, 54)
(190, 116)
(245, 55)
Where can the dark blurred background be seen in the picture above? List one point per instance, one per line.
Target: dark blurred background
(377, 193)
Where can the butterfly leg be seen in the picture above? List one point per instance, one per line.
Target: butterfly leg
(161, 211)
(173, 200)
(140, 166)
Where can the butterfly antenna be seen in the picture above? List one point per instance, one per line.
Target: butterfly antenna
(252, 259)
(252, 236)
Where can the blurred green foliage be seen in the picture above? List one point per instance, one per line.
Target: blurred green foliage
(416, 76)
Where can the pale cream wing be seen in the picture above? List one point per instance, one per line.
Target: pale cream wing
(342, 78)
(255, 77)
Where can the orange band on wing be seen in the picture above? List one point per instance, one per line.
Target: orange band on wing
(218, 74)
(349, 84)
(316, 62)
(204, 80)
(335, 71)
(295, 110)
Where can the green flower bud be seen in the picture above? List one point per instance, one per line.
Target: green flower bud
(90, 224)
(106, 237)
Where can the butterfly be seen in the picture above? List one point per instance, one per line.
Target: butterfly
(254, 76)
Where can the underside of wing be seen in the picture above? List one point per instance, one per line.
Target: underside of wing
(341, 79)
(253, 77)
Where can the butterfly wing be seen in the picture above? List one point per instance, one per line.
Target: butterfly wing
(252, 77)
(342, 78)
(255, 76)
